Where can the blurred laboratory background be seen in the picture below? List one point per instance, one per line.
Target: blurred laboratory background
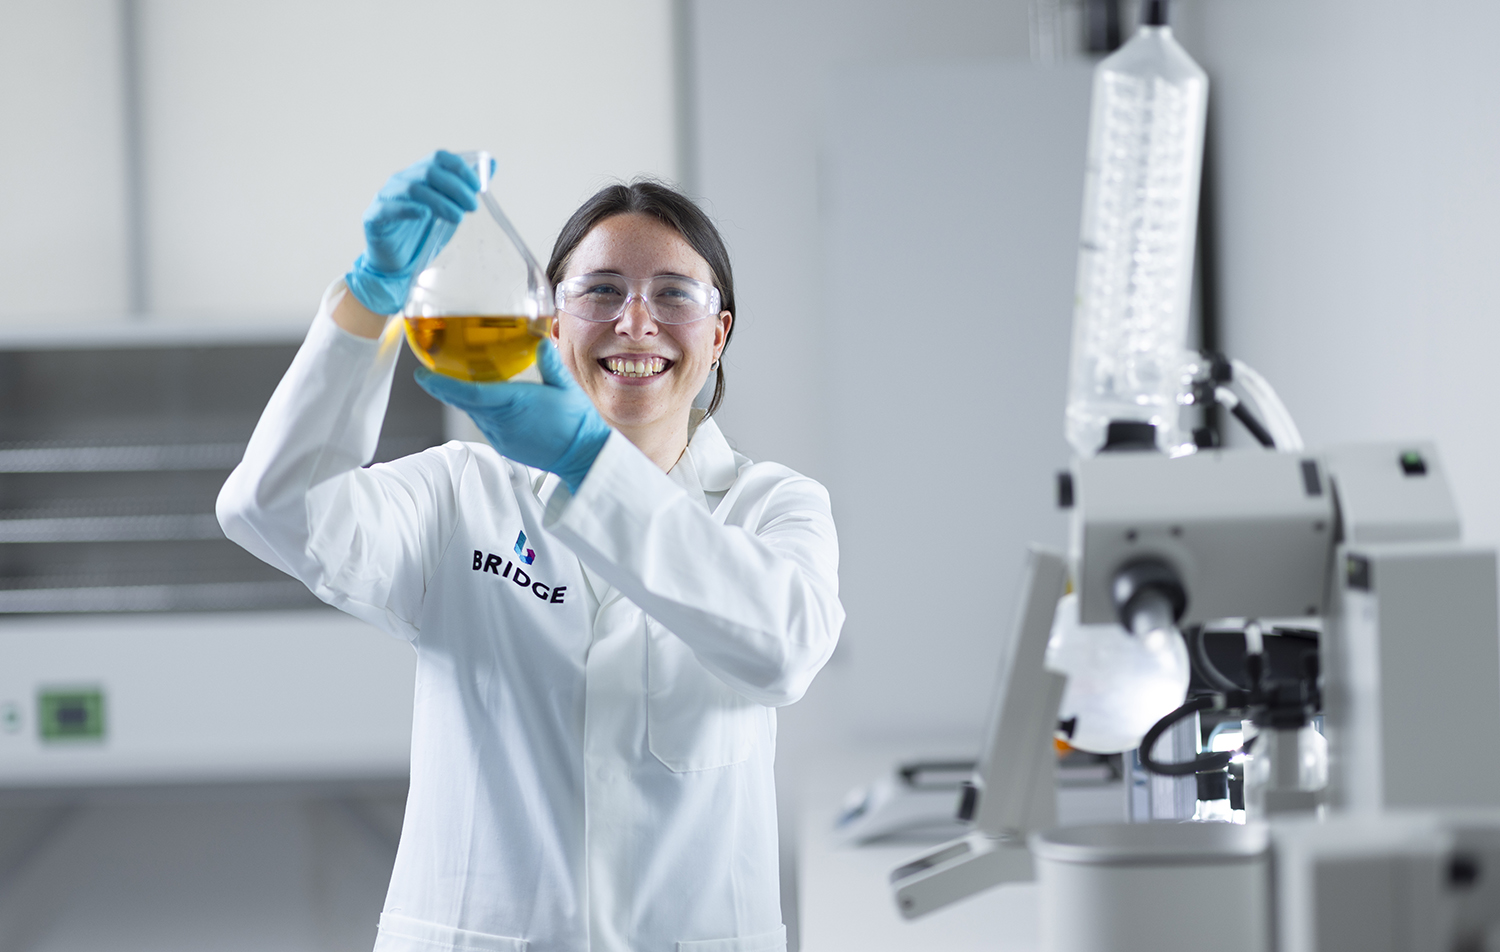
(195, 755)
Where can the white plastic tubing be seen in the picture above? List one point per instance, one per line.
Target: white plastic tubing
(1272, 412)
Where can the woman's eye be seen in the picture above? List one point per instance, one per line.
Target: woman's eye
(602, 290)
(677, 295)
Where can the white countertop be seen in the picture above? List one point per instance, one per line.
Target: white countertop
(844, 896)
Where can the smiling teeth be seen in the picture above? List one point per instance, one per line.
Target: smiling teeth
(645, 367)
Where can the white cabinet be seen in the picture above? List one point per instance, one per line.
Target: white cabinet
(108, 700)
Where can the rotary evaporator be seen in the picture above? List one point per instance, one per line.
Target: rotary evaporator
(1285, 645)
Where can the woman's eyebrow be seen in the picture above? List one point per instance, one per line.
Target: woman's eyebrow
(659, 274)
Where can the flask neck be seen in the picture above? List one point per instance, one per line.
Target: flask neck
(1154, 13)
(483, 164)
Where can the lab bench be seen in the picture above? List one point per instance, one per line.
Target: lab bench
(844, 898)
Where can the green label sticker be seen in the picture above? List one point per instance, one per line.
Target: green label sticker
(71, 714)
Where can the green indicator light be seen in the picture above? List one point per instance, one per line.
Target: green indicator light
(1412, 463)
(71, 714)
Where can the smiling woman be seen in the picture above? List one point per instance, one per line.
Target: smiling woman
(671, 209)
(594, 735)
(642, 358)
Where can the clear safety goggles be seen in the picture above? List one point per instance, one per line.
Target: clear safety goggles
(670, 299)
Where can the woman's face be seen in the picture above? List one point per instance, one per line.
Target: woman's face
(639, 246)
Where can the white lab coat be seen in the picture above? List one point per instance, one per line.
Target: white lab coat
(594, 728)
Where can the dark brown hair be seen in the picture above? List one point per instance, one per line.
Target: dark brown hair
(671, 208)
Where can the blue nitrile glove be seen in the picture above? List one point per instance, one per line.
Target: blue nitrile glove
(551, 425)
(407, 225)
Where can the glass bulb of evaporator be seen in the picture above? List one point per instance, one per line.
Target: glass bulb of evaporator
(1119, 683)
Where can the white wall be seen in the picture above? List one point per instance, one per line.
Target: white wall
(271, 125)
(761, 69)
(951, 199)
(772, 79)
(1358, 145)
(62, 209)
(268, 127)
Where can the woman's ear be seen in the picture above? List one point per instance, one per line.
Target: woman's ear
(721, 334)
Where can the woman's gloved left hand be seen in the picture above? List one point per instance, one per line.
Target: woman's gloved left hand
(550, 425)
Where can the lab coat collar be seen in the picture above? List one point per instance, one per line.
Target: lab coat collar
(710, 463)
(712, 457)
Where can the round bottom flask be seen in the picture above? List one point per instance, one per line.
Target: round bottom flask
(481, 306)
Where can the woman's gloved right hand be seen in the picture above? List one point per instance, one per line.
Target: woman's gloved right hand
(407, 224)
(551, 425)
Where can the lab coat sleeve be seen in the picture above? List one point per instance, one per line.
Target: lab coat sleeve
(362, 540)
(757, 602)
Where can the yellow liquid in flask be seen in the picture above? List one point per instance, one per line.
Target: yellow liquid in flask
(480, 348)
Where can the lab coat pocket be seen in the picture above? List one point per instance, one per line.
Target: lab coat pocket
(767, 942)
(401, 934)
(693, 720)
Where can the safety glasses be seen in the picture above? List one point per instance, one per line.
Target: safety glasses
(670, 299)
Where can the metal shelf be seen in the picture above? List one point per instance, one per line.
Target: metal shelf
(152, 528)
(111, 456)
(156, 598)
(120, 459)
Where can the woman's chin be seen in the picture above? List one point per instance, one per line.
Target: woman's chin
(633, 407)
(628, 414)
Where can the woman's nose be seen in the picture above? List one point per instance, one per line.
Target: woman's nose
(635, 319)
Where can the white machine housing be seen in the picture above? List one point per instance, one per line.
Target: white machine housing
(1247, 532)
(1392, 882)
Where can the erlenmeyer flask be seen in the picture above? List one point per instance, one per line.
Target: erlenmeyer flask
(479, 308)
